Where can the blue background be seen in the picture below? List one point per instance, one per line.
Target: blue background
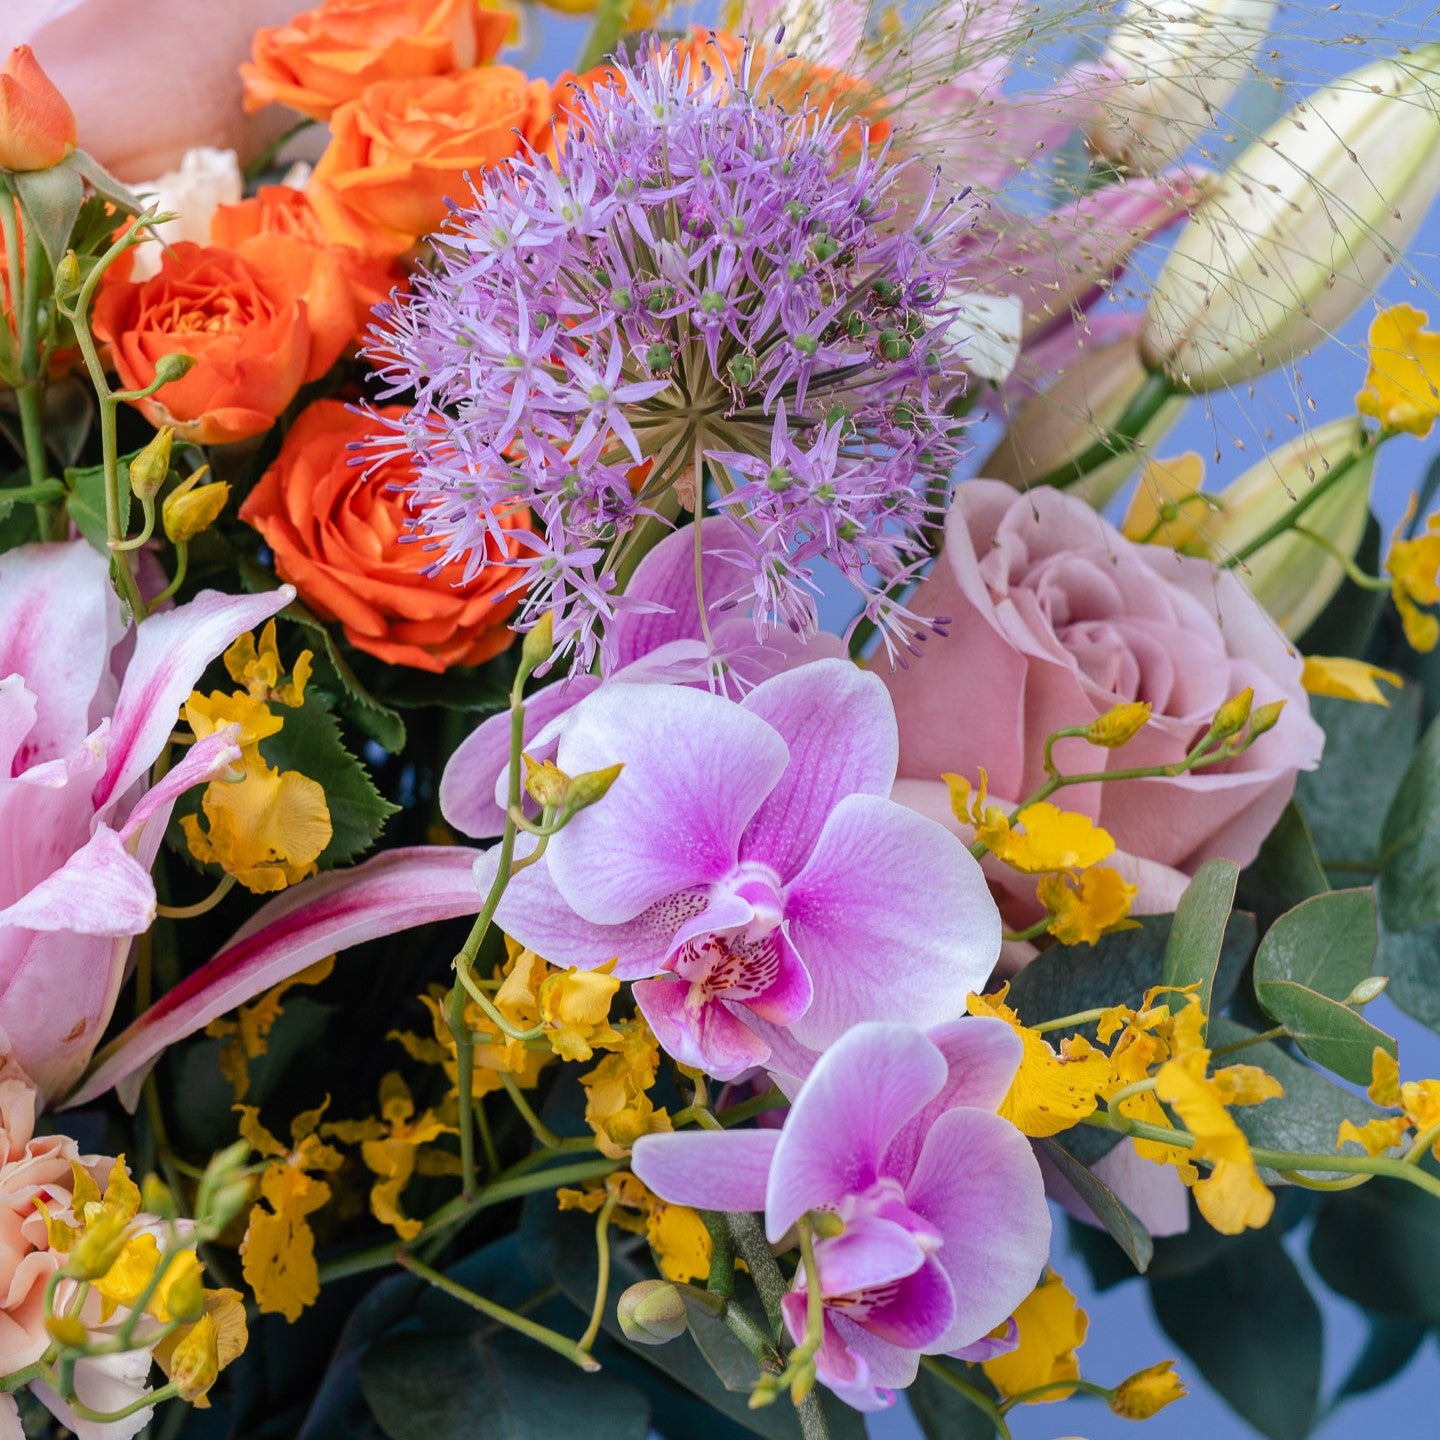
(1123, 1335)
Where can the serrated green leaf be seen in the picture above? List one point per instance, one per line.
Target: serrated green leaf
(86, 506)
(1253, 1329)
(1197, 934)
(1124, 1227)
(1307, 1117)
(1409, 882)
(310, 743)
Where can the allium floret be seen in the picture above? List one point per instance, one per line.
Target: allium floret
(701, 294)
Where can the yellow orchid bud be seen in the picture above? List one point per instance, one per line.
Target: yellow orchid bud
(99, 1247)
(1230, 718)
(1147, 1392)
(1265, 717)
(188, 511)
(1179, 62)
(150, 467)
(1053, 428)
(593, 785)
(1119, 724)
(67, 1331)
(545, 783)
(1301, 228)
(185, 1295)
(156, 1198)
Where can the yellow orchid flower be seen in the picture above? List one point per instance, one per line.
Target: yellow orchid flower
(1347, 679)
(1051, 1328)
(1081, 914)
(1147, 1392)
(1402, 386)
(617, 1107)
(247, 1036)
(1414, 569)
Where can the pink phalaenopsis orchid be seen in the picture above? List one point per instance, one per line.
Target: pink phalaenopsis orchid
(79, 731)
(945, 1228)
(748, 869)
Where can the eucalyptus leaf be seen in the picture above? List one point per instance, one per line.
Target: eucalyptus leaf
(1197, 934)
(1253, 1330)
(1391, 1347)
(1409, 882)
(942, 1412)
(1119, 1221)
(1286, 871)
(1331, 1034)
(1411, 958)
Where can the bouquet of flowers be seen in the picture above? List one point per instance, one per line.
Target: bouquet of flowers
(654, 798)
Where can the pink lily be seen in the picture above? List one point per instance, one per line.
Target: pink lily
(945, 1227)
(81, 827)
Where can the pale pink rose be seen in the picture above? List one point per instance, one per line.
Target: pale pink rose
(1053, 617)
(149, 79)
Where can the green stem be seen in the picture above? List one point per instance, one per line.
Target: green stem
(978, 1398)
(1302, 504)
(106, 1417)
(1031, 931)
(754, 1250)
(602, 1274)
(263, 161)
(1120, 439)
(721, 1279)
(542, 1132)
(1353, 573)
(542, 1334)
(1070, 1022)
(1278, 1033)
(200, 907)
(182, 564)
(1060, 1389)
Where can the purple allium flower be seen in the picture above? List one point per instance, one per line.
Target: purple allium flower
(702, 290)
(749, 871)
(945, 1228)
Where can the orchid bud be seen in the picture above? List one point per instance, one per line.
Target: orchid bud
(67, 1331)
(1265, 717)
(545, 782)
(1230, 718)
(156, 1198)
(1053, 429)
(1301, 229)
(1119, 725)
(1173, 64)
(586, 789)
(188, 510)
(652, 1312)
(37, 127)
(150, 467)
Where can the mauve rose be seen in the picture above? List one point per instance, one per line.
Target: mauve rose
(150, 79)
(1053, 617)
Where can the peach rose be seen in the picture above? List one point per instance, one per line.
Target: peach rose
(400, 151)
(338, 537)
(330, 54)
(37, 127)
(259, 320)
(1052, 617)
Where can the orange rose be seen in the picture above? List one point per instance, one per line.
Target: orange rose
(281, 211)
(330, 54)
(338, 539)
(259, 321)
(403, 148)
(37, 127)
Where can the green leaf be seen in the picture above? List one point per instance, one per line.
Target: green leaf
(1307, 1117)
(103, 183)
(1286, 871)
(41, 494)
(469, 1387)
(86, 506)
(1197, 935)
(1367, 748)
(1112, 1212)
(1411, 959)
(51, 200)
(942, 1412)
(1379, 1246)
(1308, 963)
(1390, 1348)
(1253, 1329)
(1410, 842)
(310, 743)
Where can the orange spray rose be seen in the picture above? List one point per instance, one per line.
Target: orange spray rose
(338, 538)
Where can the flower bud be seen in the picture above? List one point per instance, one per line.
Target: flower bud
(535, 648)
(37, 127)
(545, 782)
(195, 1361)
(99, 1247)
(1147, 1391)
(1301, 228)
(586, 789)
(173, 366)
(150, 467)
(1265, 717)
(1230, 718)
(156, 1198)
(1367, 990)
(1055, 427)
(1173, 63)
(1119, 724)
(188, 511)
(68, 1331)
(652, 1312)
(67, 275)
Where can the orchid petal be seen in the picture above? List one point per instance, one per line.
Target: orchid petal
(696, 770)
(171, 653)
(861, 1091)
(893, 919)
(707, 1170)
(978, 1184)
(392, 892)
(840, 726)
(58, 621)
(921, 1309)
(709, 1036)
(869, 1253)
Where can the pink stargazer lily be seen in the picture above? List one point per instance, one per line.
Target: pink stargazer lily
(748, 868)
(78, 734)
(945, 1227)
(658, 637)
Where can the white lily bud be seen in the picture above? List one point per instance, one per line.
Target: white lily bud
(1056, 427)
(1173, 64)
(1301, 229)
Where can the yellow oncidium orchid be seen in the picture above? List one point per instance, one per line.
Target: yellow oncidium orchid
(1346, 679)
(258, 669)
(1414, 569)
(1417, 1100)
(194, 1355)
(617, 1106)
(675, 1233)
(1081, 914)
(1147, 1391)
(1052, 1090)
(575, 1008)
(389, 1146)
(991, 827)
(1169, 505)
(1051, 1327)
(278, 1251)
(1402, 386)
